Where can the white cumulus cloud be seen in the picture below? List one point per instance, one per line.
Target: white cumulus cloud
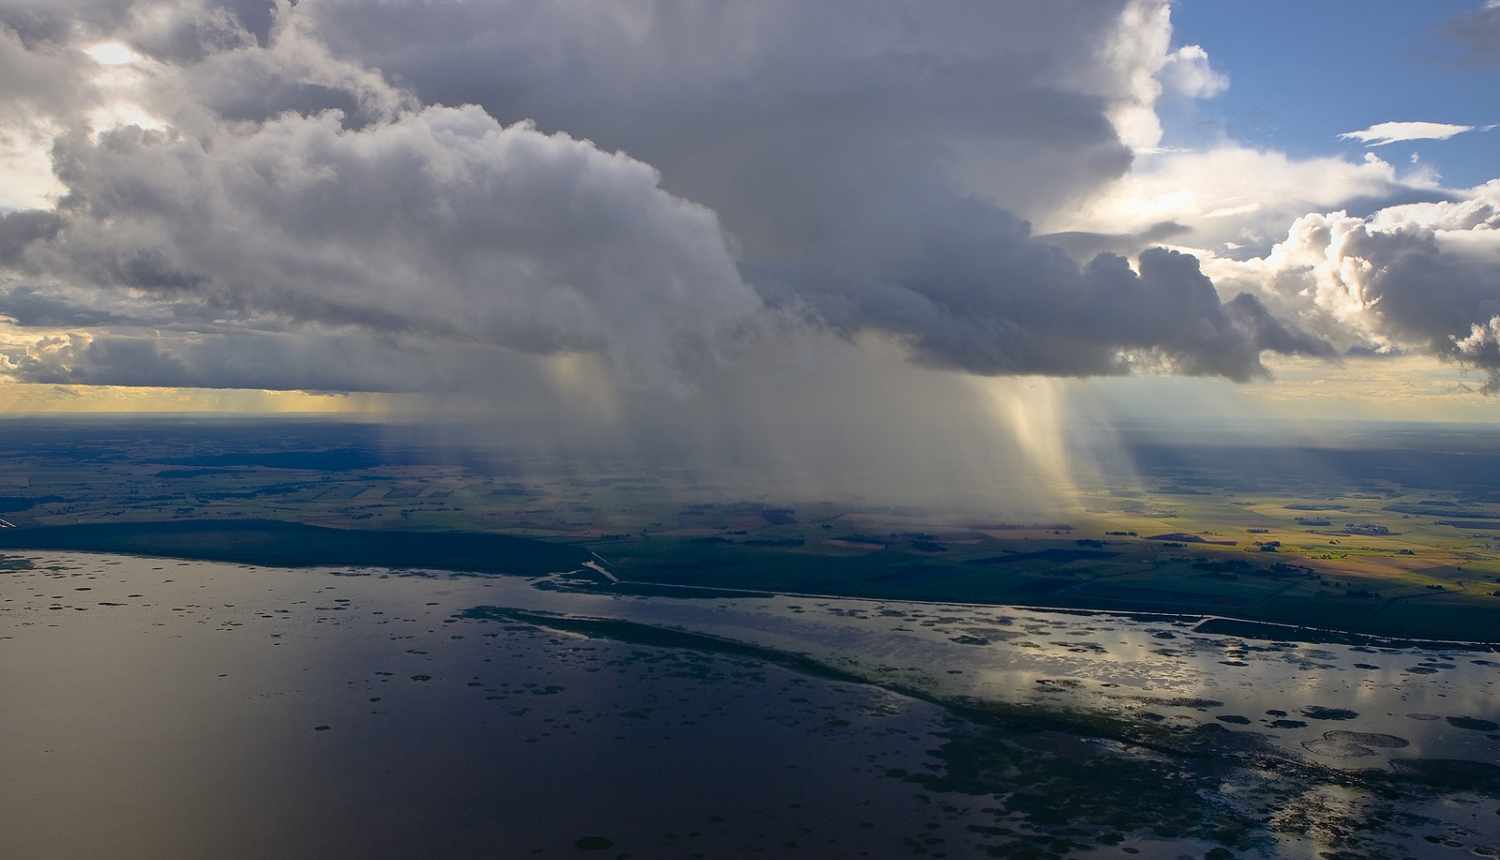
(1384, 133)
(1187, 72)
(1417, 277)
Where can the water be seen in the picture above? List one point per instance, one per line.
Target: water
(168, 709)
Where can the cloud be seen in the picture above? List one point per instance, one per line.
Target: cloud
(1418, 277)
(19, 229)
(788, 117)
(1478, 34)
(1234, 197)
(243, 185)
(1084, 245)
(972, 290)
(1383, 133)
(335, 360)
(440, 222)
(1187, 72)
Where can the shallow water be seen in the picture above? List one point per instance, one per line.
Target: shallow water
(167, 709)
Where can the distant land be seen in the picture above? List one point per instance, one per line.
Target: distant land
(1394, 551)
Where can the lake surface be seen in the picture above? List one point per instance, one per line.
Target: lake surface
(163, 709)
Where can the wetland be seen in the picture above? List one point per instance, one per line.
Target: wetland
(312, 640)
(243, 711)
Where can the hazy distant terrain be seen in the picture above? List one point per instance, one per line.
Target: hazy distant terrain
(1395, 534)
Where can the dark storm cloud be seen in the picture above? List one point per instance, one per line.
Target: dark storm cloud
(1443, 299)
(972, 290)
(832, 166)
(19, 229)
(802, 124)
(29, 306)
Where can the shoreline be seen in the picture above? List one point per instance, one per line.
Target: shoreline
(1205, 623)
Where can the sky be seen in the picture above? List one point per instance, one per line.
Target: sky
(1376, 62)
(766, 226)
